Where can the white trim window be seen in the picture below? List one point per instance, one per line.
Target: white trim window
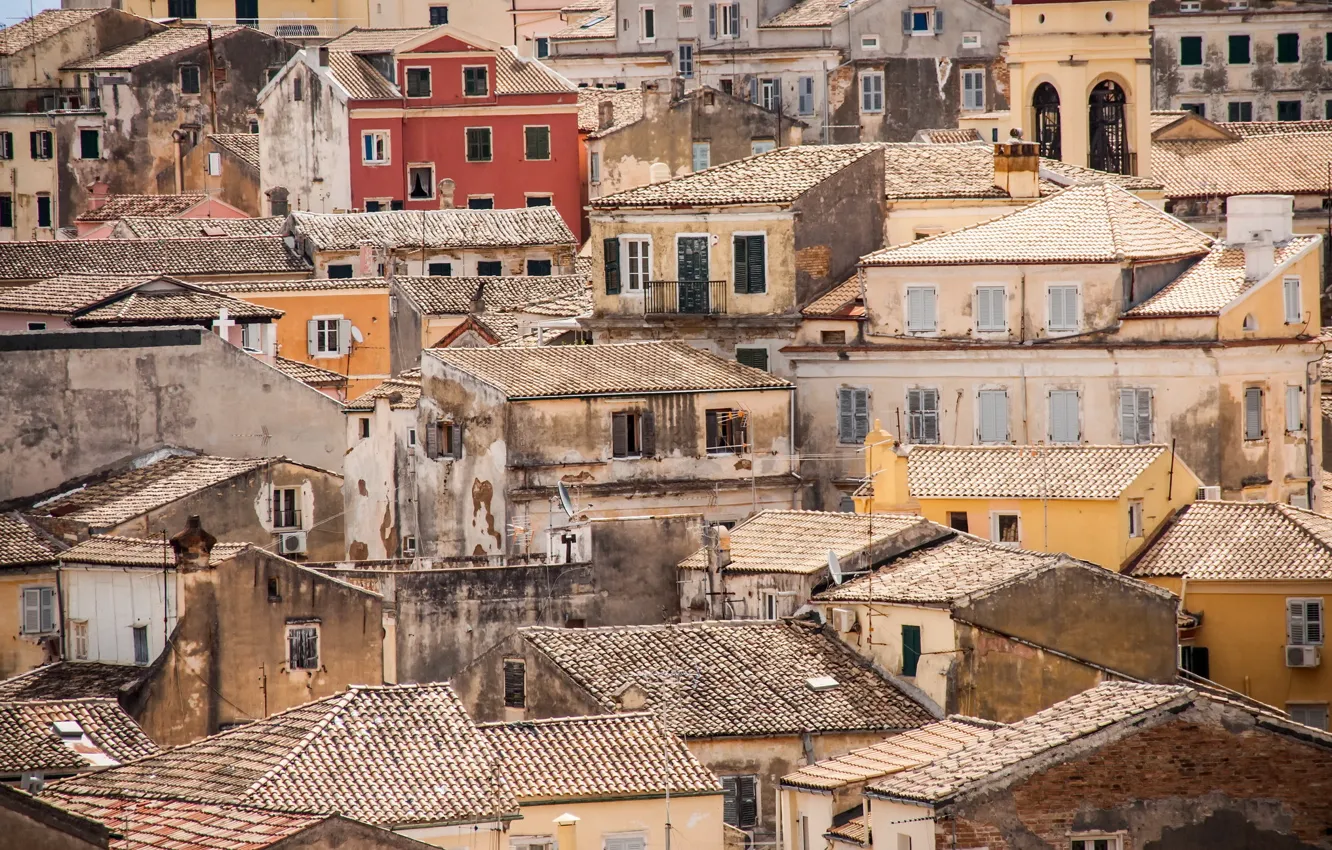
(637, 261)
(921, 309)
(973, 89)
(1135, 416)
(1135, 518)
(871, 91)
(1305, 621)
(991, 309)
(992, 426)
(1006, 528)
(702, 153)
(1290, 290)
(375, 147)
(1063, 316)
(647, 24)
(869, 41)
(1294, 409)
(327, 336)
(1086, 841)
(923, 415)
(1064, 419)
(303, 646)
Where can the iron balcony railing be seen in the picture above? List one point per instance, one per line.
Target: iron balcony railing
(694, 297)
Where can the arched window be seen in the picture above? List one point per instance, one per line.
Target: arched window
(1046, 103)
(1108, 139)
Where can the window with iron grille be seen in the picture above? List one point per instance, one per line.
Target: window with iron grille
(303, 647)
(515, 683)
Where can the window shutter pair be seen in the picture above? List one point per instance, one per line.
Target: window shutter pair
(1291, 287)
(610, 250)
(1063, 308)
(852, 414)
(1304, 622)
(756, 358)
(1253, 413)
(923, 415)
(747, 264)
(32, 610)
(994, 416)
(920, 309)
(1135, 416)
(1064, 416)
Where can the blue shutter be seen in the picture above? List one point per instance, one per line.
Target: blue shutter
(906, 22)
(735, 20)
(712, 20)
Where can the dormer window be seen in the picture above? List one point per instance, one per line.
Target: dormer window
(476, 83)
(922, 20)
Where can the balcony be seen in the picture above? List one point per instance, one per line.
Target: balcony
(294, 29)
(687, 297)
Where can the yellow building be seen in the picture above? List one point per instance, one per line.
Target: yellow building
(1095, 503)
(29, 604)
(1253, 579)
(292, 19)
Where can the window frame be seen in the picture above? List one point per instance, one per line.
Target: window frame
(770, 93)
(1202, 51)
(647, 20)
(430, 184)
(293, 511)
(1060, 330)
(1303, 636)
(1320, 707)
(916, 420)
(380, 135)
(490, 144)
(45, 145)
(1136, 395)
(1277, 52)
(321, 349)
(1063, 393)
(489, 202)
(627, 270)
(633, 434)
(1231, 42)
(1298, 106)
(933, 292)
(97, 134)
(198, 79)
(987, 392)
(1258, 392)
(748, 236)
(1135, 516)
(928, 12)
(855, 438)
(728, 20)
(870, 41)
(681, 15)
(313, 627)
(996, 529)
(992, 328)
(42, 618)
(485, 78)
(694, 149)
(871, 101)
(1082, 840)
(594, 166)
(978, 89)
(527, 143)
(684, 56)
(730, 446)
(1236, 108)
(431, 12)
(407, 82)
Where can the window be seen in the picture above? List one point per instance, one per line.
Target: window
(1291, 294)
(971, 41)
(869, 42)
(871, 92)
(702, 155)
(6, 210)
(626, 435)
(1005, 528)
(1238, 49)
(303, 647)
(1239, 110)
(991, 309)
(286, 513)
(363, 427)
(140, 635)
(739, 801)
(685, 12)
(1063, 303)
(1194, 660)
(478, 144)
(805, 95)
(277, 201)
(1103, 842)
(749, 263)
(647, 23)
(375, 147)
(1289, 110)
(1288, 48)
(758, 146)
(90, 144)
(1191, 50)
(610, 265)
(1135, 518)
(973, 89)
(440, 269)
(409, 545)
(637, 261)
(993, 416)
(1309, 714)
(490, 268)
(1190, 5)
(727, 431)
(476, 81)
(920, 309)
(852, 415)
(296, 89)
(340, 271)
(1135, 416)
(542, 47)
(41, 144)
(181, 9)
(38, 610)
(756, 358)
(1294, 409)
(6, 145)
(78, 634)
(1253, 413)
(1064, 424)
(770, 93)
(1199, 109)
(36, 326)
(594, 166)
(538, 268)
(536, 142)
(1327, 110)
(421, 182)
(418, 82)
(957, 520)
(1304, 622)
(480, 202)
(43, 209)
(444, 439)
(724, 20)
(832, 337)
(910, 649)
(189, 80)
(687, 61)
(326, 336)
(918, 21)
(923, 415)
(439, 16)
(515, 683)
(411, 436)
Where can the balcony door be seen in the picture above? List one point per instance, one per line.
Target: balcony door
(691, 268)
(247, 13)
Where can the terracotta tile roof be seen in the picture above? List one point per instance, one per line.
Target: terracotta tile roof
(1217, 279)
(517, 75)
(304, 284)
(1241, 541)
(168, 42)
(153, 206)
(947, 136)
(39, 27)
(408, 392)
(105, 735)
(1166, 117)
(184, 305)
(134, 492)
(1290, 163)
(140, 227)
(565, 370)
(776, 177)
(175, 825)
(1081, 224)
(109, 550)
(855, 831)
(1026, 472)
(735, 678)
(916, 170)
(1062, 174)
(202, 256)
(457, 228)
(940, 573)
(841, 302)
(392, 755)
(809, 13)
(244, 146)
(626, 103)
(359, 77)
(73, 680)
(66, 294)
(22, 545)
(438, 296)
(909, 749)
(610, 755)
(799, 541)
(1091, 711)
(599, 24)
(308, 373)
(375, 39)
(1269, 128)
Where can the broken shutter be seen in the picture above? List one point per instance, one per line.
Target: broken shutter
(647, 441)
(861, 398)
(923, 415)
(515, 684)
(455, 440)
(311, 332)
(735, 20)
(1253, 413)
(712, 20)
(303, 648)
(619, 434)
(610, 249)
(910, 649)
(906, 22)
(344, 336)
(846, 422)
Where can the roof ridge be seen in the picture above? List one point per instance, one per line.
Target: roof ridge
(574, 718)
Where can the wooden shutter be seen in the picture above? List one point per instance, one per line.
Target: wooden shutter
(756, 358)
(1063, 416)
(432, 439)
(910, 650)
(914, 405)
(455, 440)
(1144, 416)
(1253, 413)
(344, 336)
(862, 414)
(32, 138)
(994, 416)
(515, 683)
(938, 19)
(757, 273)
(1313, 621)
(730, 812)
(1295, 632)
(1294, 411)
(648, 436)
(311, 334)
(735, 20)
(984, 310)
(619, 434)
(712, 21)
(846, 420)
(1292, 292)
(746, 788)
(740, 264)
(610, 250)
(906, 22)
(710, 421)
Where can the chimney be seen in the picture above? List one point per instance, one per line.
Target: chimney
(192, 546)
(677, 88)
(886, 462)
(365, 260)
(101, 192)
(446, 190)
(323, 57)
(1017, 166)
(1259, 255)
(605, 114)
(566, 831)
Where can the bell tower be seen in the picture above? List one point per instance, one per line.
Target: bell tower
(1080, 76)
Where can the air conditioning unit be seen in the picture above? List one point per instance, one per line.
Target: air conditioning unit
(843, 619)
(291, 543)
(1302, 656)
(1209, 494)
(570, 544)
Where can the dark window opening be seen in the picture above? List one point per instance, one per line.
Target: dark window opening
(189, 80)
(1288, 47)
(957, 520)
(36, 326)
(274, 590)
(90, 144)
(1194, 660)
(1108, 136)
(1046, 103)
(364, 426)
(373, 206)
(538, 200)
(43, 210)
(439, 16)
(740, 801)
(340, 271)
(489, 268)
(727, 431)
(421, 180)
(41, 143)
(481, 203)
(418, 82)
(440, 269)
(1240, 110)
(538, 268)
(1191, 50)
(1199, 109)
(1289, 110)
(1238, 46)
(6, 210)
(832, 337)
(285, 512)
(910, 650)
(140, 644)
(181, 9)
(515, 683)
(626, 435)
(476, 82)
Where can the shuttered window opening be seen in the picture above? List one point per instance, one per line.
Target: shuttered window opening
(610, 264)
(723, 20)
(993, 416)
(754, 357)
(1304, 622)
(303, 647)
(140, 635)
(871, 92)
(727, 431)
(327, 336)
(852, 414)
(638, 260)
(286, 511)
(750, 264)
(1135, 416)
(991, 309)
(515, 683)
(1294, 409)
(1291, 291)
(1064, 425)
(38, 610)
(632, 434)
(1253, 413)
(625, 841)
(923, 415)
(805, 95)
(440, 269)
(920, 301)
(910, 650)
(740, 803)
(1063, 308)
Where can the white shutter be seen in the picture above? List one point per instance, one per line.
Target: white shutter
(344, 336)
(929, 416)
(1294, 409)
(1056, 306)
(311, 331)
(1253, 413)
(1128, 416)
(1144, 416)
(993, 416)
(920, 308)
(1291, 290)
(931, 310)
(32, 610)
(1295, 634)
(1064, 416)
(46, 604)
(984, 315)
(1071, 308)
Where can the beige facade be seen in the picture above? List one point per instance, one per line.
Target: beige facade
(298, 19)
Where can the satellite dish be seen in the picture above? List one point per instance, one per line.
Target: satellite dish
(834, 567)
(565, 501)
(357, 335)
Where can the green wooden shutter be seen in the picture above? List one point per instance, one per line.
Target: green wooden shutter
(910, 649)
(740, 264)
(756, 273)
(610, 249)
(755, 357)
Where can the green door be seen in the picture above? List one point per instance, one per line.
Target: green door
(910, 649)
(691, 268)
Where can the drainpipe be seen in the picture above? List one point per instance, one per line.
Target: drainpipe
(212, 82)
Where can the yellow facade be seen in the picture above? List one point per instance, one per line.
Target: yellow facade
(21, 652)
(317, 18)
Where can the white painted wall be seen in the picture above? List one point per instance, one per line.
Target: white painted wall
(113, 600)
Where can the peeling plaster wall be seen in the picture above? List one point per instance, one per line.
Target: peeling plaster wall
(379, 472)
(238, 184)
(305, 144)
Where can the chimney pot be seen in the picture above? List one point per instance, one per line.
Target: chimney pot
(605, 114)
(323, 57)
(193, 546)
(1017, 166)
